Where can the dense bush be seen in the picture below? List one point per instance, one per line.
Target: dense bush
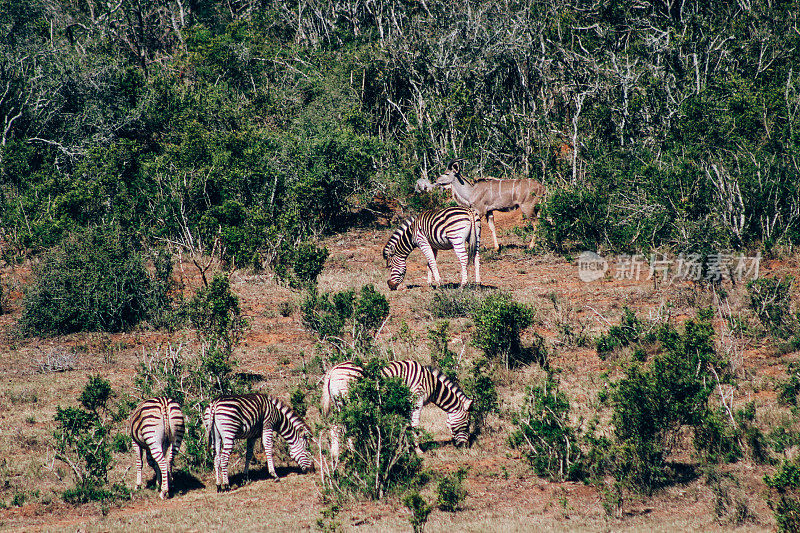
(499, 321)
(653, 401)
(215, 313)
(94, 281)
(328, 314)
(375, 417)
(450, 491)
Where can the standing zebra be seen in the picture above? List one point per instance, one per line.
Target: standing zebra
(427, 384)
(458, 228)
(250, 416)
(157, 427)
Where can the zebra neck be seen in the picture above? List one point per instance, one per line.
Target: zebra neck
(443, 391)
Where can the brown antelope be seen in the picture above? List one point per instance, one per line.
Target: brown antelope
(489, 195)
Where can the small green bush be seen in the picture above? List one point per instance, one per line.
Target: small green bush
(450, 491)
(93, 281)
(544, 434)
(327, 314)
(420, 509)
(300, 266)
(479, 384)
(216, 315)
(442, 356)
(629, 331)
(82, 441)
(499, 321)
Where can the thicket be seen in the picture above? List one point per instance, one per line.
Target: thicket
(95, 280)
(245, 129)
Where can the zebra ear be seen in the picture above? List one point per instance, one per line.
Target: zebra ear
(468, 405)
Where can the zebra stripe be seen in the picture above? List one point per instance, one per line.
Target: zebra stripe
(458, 228)
(426, 383)
(250, 416)
(430, 385)
(157, 428)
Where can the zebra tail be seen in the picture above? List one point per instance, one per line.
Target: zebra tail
(167, 421)
(326, 396)
(473, 235)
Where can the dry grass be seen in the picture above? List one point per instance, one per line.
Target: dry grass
(503, 493)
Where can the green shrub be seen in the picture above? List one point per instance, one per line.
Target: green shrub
(652, 402)
(327, 314)
(573, 219)
(83, 442)
(479, 384)
(450, 491)
(629, 330)
(441, 356)
(215, 314)
(544, 434)
(300, 266)
(499, 321)
(784, 496)
(375, 417)
(420, 509)
(93, 281)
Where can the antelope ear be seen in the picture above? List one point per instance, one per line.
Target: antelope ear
(456, 167)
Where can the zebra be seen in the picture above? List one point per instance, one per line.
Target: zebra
(157, 428)
(250, 416)
(458, 228)
(426, 383)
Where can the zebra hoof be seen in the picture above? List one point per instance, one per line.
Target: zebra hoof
(163, 495)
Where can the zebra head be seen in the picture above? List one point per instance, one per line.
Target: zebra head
(297, 435)
(397, 271)
(458, 420)
(299, 450)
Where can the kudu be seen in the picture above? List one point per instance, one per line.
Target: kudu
(489, 195)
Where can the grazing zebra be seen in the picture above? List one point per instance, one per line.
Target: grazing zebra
(250, 416)
(157, 427)
(427, 384)
(458, 228)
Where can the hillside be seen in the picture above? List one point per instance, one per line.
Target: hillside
(503, 492)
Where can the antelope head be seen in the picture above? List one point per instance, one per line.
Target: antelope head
(452, 173)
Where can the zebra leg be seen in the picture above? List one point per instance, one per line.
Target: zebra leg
(139, 464)
(430, 272)
(415, 415)
(247, 457)
(463, 259)
(335, 436)
(266, 437)
(490, 220)
(163, 465)
(224, 460)
(477, 259)
(426, 249)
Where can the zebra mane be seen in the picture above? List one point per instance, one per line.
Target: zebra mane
(443, 381)
(391, 245)
(291, 417)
